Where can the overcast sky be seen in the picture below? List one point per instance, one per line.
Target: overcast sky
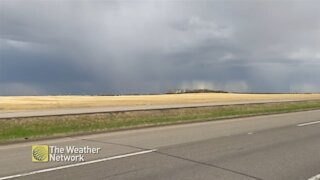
(152, 46)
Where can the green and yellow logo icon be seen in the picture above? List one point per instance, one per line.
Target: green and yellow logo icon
(40, 153)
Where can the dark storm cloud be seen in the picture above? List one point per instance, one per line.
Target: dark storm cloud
(63, 47)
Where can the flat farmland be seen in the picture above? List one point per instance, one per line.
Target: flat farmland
(20, 103)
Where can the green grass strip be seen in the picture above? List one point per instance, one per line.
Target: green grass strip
(56, 126)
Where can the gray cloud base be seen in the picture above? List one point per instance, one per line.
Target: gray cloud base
(116, 47)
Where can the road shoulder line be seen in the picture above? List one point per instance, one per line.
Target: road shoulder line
(309, 123)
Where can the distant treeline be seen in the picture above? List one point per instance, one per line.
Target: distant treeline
(185, 91)
(195, 91)
(179, 91)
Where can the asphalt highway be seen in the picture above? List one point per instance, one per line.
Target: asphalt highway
(273, 147)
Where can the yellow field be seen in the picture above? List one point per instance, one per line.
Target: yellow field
(13, 103)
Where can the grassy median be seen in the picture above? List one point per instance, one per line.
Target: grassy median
(21, 129)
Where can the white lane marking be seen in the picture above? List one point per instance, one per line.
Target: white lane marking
(250, 133)
(309, 123)
(78, 164)
(317, 177)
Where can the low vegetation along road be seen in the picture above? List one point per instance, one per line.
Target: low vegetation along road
(281, 146)
(30, 128)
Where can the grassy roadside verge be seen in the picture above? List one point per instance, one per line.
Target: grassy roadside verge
(56, 126)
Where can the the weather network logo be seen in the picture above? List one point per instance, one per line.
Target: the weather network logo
(40, 153)
(45, 153)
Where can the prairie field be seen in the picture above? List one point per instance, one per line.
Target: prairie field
(18, 103)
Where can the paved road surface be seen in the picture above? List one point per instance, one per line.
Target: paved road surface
(73, 111)
(274, 147)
